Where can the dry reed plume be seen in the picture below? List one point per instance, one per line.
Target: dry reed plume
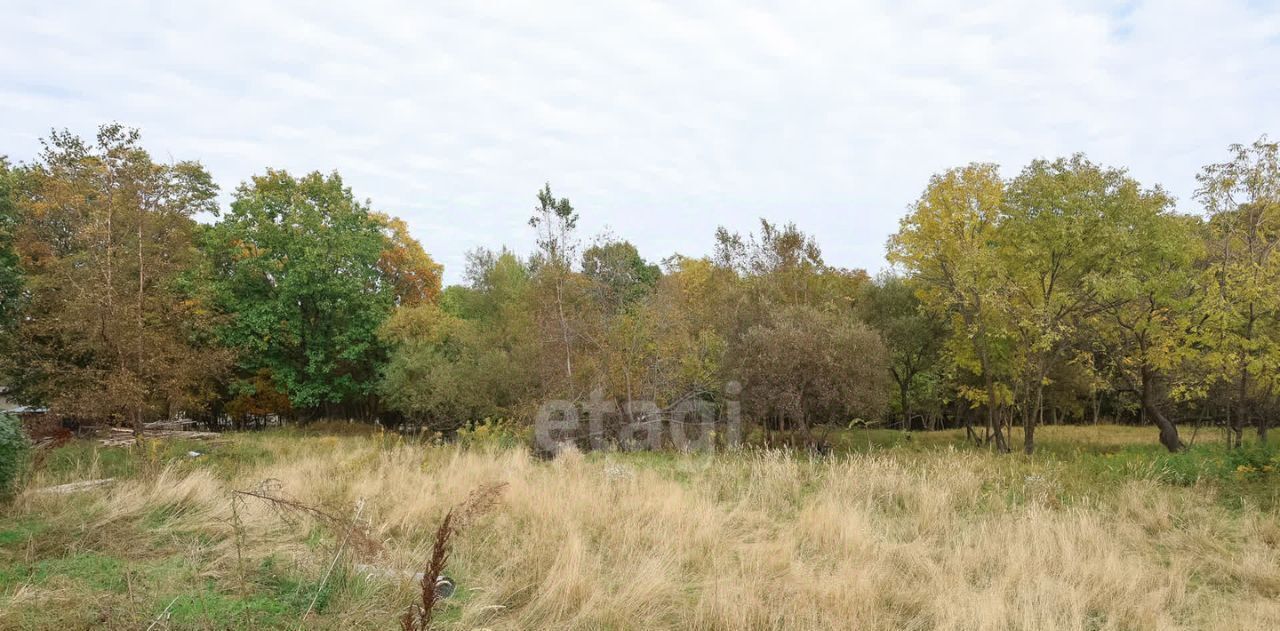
(482, 500)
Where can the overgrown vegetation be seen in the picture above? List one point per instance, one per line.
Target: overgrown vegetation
(1067, 293)
(14, 447)
(1099, 530)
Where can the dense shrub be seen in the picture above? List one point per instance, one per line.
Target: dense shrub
(494, 432)
(13, 453)
(1249, 463)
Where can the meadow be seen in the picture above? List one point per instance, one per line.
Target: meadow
(1100, 529)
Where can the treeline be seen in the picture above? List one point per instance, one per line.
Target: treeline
(1073, 283)
(1066, 293)
(120, 306)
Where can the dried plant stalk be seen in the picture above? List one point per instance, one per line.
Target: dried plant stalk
(479, 502)
(349, 529)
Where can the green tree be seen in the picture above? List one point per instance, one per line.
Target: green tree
(949, 242)
(111, 326)
(1143, 308)
(298, 265)
(473, 356)
(14, 450)
(10, 273)
(779, 266)
(684, 331)
(559, 288)
(1242, 277)
(620, 276)
(435, 369)
(1059, 230)
(913, 337)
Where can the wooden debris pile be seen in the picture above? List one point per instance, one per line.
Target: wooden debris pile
(123, 436)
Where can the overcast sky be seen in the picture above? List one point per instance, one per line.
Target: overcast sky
(659, 120)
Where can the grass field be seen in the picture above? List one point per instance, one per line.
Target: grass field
(1099, 530)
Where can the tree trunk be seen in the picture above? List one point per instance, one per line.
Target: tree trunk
(1029, 420)
(903, 385)
(992, 423)
(142, 380)
(564, 331)
(1236, 440)
(1262, 416)
(1168, 431)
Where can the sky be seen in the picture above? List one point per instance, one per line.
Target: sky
(660, 121)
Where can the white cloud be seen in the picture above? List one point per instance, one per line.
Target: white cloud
(660, 120)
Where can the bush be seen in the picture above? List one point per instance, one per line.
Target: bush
(1249, 463)
(1253, 462)
(13, 453)
(494, 432)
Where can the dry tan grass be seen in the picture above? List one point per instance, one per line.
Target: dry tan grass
(900, 540)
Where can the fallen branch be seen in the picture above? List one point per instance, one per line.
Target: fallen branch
(269, 492)
(171, 425)
(371, 571)
(73, 487)
(163, 614)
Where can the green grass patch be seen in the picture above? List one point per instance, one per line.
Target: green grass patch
(90, 569)
(274, 597)
(20, 531)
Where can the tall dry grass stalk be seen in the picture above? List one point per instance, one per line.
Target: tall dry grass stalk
(935, 540)
(482, 500)
(418, 618)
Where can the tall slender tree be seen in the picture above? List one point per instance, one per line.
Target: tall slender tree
(949, 241)
(1242, 277)
(555, 221)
